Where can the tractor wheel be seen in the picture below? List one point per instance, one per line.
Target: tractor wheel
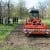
(47, 35)
(28, 35)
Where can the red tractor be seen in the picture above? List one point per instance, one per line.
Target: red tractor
(34, 25)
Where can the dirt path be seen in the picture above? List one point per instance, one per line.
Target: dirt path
(17, 38)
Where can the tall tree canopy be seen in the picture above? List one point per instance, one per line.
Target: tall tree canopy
(43, 8)
(22, 11)
(49, 8)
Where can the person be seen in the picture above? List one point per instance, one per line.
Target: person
(17, 19)
(31, 19)
(34, 21)
(28, 19)
(7, 20)
(14, 19)
(38, 21)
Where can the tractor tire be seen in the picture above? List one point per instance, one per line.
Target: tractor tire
(28, 35)
(47, 35)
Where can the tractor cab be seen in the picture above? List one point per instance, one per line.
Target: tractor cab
(34, 15)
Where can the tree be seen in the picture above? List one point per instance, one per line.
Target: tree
(7, 20)
(21, 9)
(48, 9)
(43, 8)
(1, 19)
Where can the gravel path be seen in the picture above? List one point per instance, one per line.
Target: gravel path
(17, 38)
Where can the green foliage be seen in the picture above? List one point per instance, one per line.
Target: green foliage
(47, 22)
(22, 11)
(19, 10)
(43, 8)
(5, 30)
(49, 10)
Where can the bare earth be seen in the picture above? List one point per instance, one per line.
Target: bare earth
(17, 38)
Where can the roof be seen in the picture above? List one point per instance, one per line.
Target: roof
(33, 9)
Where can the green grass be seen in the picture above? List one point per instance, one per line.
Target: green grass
(5, 30)
(47, 22)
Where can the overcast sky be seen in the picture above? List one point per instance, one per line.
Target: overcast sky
(29, 3)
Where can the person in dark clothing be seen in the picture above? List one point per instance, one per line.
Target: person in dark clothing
(14, 20)
(17, 19)
(1, 20)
